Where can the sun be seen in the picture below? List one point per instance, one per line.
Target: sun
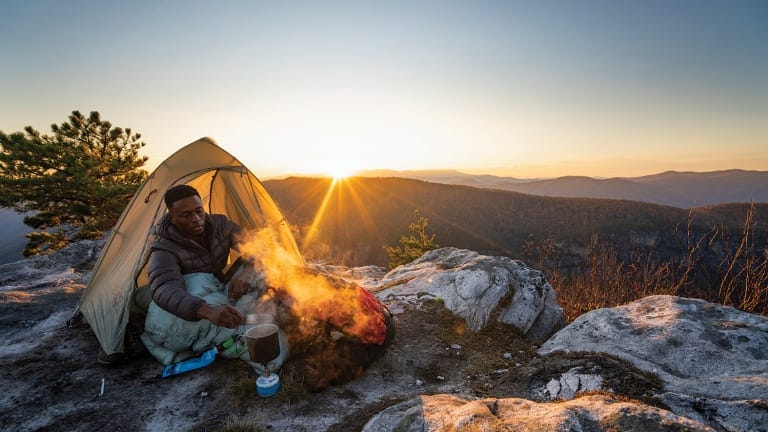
(340, 170)
(341, 174)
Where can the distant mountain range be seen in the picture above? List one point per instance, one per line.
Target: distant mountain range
(490, 215)
(671, 188)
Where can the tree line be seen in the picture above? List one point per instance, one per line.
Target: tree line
(75, 181)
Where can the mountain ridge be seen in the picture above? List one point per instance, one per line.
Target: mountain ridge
(682, 189)
(676, 189)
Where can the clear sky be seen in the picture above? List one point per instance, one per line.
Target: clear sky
(525, 89)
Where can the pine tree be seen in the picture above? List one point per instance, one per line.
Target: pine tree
(76, 181)
(412, 247)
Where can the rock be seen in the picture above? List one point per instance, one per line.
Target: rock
(81, 254)
(553, 388)
(714, 355)
(571, 383)
(589, 413)
(404, 417)
(477, 288)
(363, 276)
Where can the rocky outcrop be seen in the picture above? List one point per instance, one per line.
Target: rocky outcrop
(712, 359)
(45, 269)
(34, 289)
(661, 363)
(477, 288)
(590, 413)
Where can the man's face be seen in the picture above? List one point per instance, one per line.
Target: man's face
(188, 216)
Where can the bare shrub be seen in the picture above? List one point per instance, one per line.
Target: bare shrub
(744, 284)
(607, 280)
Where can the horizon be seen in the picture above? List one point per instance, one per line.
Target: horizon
(396, 173)
(542, 90)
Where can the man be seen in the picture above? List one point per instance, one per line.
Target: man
(190, 309)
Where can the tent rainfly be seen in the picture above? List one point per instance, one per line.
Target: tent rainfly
(226, 186)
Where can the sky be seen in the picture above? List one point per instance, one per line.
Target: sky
(601, 88)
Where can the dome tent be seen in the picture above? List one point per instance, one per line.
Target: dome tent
(226, 186)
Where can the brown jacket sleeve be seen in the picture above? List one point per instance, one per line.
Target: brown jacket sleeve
(168, 288)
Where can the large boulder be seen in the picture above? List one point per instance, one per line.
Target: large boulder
(590, 413)
(478, 288)
(712, 359)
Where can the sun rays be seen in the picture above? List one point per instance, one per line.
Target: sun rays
(354, 218)
(340, 200)
(313, 228)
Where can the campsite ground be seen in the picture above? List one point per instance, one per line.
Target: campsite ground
(51, 380)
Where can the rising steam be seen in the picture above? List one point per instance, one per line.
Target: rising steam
(312, 295)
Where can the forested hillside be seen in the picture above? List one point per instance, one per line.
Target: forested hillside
(595, 252)
(364, 214)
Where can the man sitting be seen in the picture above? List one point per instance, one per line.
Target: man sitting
(190, 309)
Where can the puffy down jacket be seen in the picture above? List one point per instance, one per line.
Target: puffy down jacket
(173, 255)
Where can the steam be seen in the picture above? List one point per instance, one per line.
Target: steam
(314, 296)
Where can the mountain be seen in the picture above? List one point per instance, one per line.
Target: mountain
(672, 188)
(447, 177)
(363, 214)
(616, 188)
(711, 188)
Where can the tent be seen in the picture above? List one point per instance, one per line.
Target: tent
(226, 186)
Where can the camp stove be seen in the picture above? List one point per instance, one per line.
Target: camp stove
(263, 341)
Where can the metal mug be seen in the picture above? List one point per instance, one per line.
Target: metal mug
(263, 343)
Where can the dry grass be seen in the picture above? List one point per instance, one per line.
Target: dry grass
(242, 386)
(745, 284)
(607, 280)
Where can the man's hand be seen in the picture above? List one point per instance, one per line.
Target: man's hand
(241, 282)
(223, 316)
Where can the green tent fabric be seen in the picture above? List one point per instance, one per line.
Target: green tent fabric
(226, 187)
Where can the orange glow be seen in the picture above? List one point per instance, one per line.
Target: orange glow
(24, 296)
(19, 297)
(342, 200)
(341, 172)
(312, 295)
(319, 216)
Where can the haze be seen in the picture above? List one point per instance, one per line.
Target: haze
(534, 89)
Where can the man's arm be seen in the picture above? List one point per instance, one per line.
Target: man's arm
(223, 316)
(170, 293)
(168, 288)
(242, 281)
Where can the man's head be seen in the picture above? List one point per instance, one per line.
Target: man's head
(186, 210)
(179, 192)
